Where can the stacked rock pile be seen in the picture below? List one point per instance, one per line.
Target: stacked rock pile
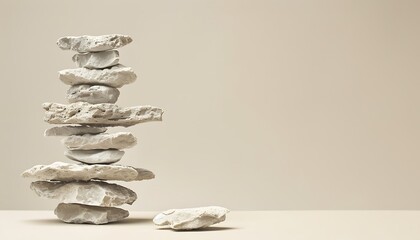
(83, 191)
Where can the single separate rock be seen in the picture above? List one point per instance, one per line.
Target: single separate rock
(104, 114)
(79, 213)
(95, 156)
(91, 193)
(116, 76)
(191, 218)
(118, 140)
(93, 43)
(97, 60)
(92, 94)
(67, 172)
(73, 130)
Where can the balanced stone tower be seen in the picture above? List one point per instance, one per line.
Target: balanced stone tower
(82, 188)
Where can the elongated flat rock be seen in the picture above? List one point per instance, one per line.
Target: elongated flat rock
(118, 140)
(73, 130)
(91, 193)
(97, 60)
(95, 156)
(191, 218)
(92, 94)
(104, 114)
(68, 172)
(116, 76)
(93, 43)
(78, 213)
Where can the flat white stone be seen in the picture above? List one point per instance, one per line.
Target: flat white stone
(95, 156)
(73, 130)
(116, 76)
(92, 94)
(104, 114)
(91, 193)
(118, 140)
(67, 172)
(191, 218)
(93, 43)
(78, 213)
(97, 60)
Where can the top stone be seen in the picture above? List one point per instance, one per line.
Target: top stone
(93, 43)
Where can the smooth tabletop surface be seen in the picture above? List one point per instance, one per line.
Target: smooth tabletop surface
(238, 225)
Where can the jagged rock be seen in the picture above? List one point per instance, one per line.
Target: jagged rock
(92, 94)
(191, 218)
(68, 172)
(79, 213)
(91, 193)
(73, 130)
(116, 76)
(97, 60)
(118, 140)
(104, 114)
(93, 43)
(95, 156)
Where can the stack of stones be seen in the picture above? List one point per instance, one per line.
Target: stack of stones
(83, 191)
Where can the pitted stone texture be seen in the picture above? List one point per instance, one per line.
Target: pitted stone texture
(73, 130)
(116, 76)
(92, 94)
(68, 172)
(104, 114)
(191, 218)
(118, 140)
(93, 43)
(97, 60)
(95, 156)
(91, 193)
(79, 213)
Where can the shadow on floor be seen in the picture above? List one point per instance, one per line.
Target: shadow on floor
(208, 229)
(55, 221)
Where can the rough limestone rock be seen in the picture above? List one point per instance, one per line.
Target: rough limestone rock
(91, 193)
(97, 60)
(92, 94)
(118, 140)
(104, 114)
(67, 172)
(93, 43)
(191, 218)
(73, 130)
(95, 156)
(79, 213)
(116, 76)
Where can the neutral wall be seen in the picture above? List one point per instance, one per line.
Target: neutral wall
(268, 104)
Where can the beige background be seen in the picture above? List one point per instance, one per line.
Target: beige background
(269, 104)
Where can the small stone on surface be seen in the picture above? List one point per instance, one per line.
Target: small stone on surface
(73, 130)
(79, 213)
(95, 156)
(97, 60)
(118, 140)
(92, 94)
(191, 218)
(93, 43)
(116, 76)
(91, 193)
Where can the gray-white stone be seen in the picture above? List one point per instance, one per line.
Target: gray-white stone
(91, 193)
(191, 218)
(93, 43)
(104, 114)
(116, 76)
(67, 172)
(118, 140)
(95, 156)
(79, 213)
(97, 60)
(92, 94)
(73, 130)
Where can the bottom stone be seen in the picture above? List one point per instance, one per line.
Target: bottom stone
(79, 213)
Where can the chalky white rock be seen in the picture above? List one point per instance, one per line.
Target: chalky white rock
(73, 130)
(92, 94)
(97, 60)
(118, 140)
(88, 43)
(79, 213)
(95, 156)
